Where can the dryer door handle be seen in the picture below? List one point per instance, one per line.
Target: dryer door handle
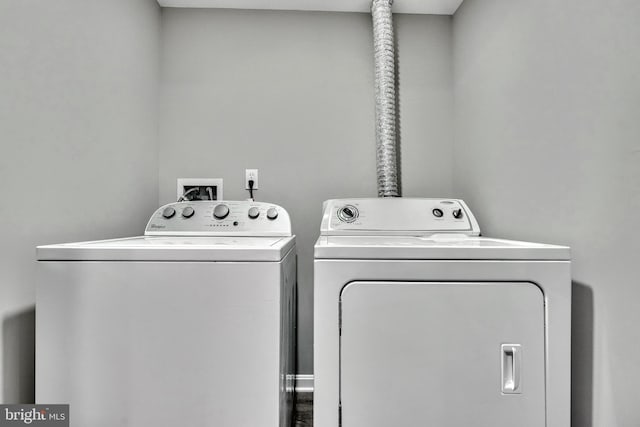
(511, 355)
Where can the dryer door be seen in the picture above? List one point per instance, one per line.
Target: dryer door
(442, 354)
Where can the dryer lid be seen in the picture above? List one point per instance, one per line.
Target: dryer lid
(435, 247)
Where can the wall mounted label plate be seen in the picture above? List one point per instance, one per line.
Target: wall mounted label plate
(207, 188)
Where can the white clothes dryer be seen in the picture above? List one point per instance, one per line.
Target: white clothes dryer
(192, 324)
(420, 321)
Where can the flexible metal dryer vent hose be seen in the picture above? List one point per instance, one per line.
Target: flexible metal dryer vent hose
(383, 45)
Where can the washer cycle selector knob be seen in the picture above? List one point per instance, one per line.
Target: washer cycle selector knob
(348, 213)
(254, 212)
(457, 213)
(272, 213)
(437, 213)
(221, 211)
(188, 212)
(168, 212)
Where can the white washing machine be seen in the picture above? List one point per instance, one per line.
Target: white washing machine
(191, 324)
(419, 321)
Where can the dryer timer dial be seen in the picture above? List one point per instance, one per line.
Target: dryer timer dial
(348, 213)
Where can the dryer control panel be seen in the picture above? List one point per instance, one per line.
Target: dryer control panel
(397, 216)
(219, 218)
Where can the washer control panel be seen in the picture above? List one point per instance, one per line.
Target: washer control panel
(397, 216)
(219, 218)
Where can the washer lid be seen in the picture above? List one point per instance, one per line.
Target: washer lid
(438, 246)
(152, 248)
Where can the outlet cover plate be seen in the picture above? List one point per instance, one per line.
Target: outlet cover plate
(251, 174)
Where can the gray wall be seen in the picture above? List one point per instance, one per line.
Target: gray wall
(547, 148)
(78, 156)
(291, 94)
(546, 143)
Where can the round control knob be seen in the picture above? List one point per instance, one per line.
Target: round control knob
(221, 211)
(254, 212)
(457, 213)
(348, 213)
(272, 213)
(168, 212)
(188, 212)
(437, 213)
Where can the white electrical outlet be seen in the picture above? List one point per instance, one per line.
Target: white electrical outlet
(200, 188)
(248, 175)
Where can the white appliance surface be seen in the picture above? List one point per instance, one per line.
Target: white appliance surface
(438, 246)
(420, 321)
(397, 216)
(188, 328)
(372, 325)
(176, 248)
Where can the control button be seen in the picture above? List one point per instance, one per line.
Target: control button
(437, 213)
(221, 211)
(457, 213)
(348, 213)
(168, 212)
(235, 223)
(272, 213)
(188, 212)
(254, 212)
